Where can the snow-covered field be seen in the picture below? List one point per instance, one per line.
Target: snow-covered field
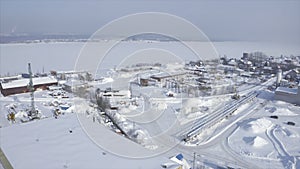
(49, 144)
(62, 142)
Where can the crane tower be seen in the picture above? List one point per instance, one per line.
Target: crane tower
(32, 112)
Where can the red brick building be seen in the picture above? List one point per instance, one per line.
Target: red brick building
(20, 86)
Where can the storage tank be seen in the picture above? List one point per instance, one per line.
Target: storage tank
(279, 77)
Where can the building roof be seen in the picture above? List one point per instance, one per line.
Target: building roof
(70, 72)
(286, 90)
(163, 75)
(294, 71)
(74, 83)
(5, 79)
(25, 82)
(232, 62)
(267, 68)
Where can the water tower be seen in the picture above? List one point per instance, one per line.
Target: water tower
(279, 76)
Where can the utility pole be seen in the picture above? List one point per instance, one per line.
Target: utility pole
(32, 111)
(194, 160)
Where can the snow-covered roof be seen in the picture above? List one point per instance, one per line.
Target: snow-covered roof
(25, 82)
(54, 87)
(70, 72)
(294, 70)
(10, 77)
(246, 74)
(121, 93)
(74, 83)
(267, 68)
(287, 90)
(166, 75)
(232, 62)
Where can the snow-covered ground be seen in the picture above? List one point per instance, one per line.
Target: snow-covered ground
(249, 137)
(62, 142)
(255, 138)
(270, 141)
(49, 144)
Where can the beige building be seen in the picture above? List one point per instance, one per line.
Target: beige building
(291, 95)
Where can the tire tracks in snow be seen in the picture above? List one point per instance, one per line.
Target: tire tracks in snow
(288, 161)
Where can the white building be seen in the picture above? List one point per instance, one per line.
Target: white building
(290, 95)
(278, 77)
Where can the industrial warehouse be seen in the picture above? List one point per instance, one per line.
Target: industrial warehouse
(21, 85)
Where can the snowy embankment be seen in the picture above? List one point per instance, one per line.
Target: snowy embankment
(132, 130)
(116, 122)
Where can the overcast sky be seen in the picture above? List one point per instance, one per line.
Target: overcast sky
(219, 19)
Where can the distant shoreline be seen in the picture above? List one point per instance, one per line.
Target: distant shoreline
(24, 38)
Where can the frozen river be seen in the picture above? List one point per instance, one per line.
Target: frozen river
(63, 55)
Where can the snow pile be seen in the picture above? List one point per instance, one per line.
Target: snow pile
(159, 105)
(132, 130)
(71, 109)
(193, 105)
(256, 141)
(284, 112)
(271, 109)
(259, 142)
(258, 126)
(116, 116)
(81, 107)
(107, 80)
(21, 114)
(195, 108)
(128, 109)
